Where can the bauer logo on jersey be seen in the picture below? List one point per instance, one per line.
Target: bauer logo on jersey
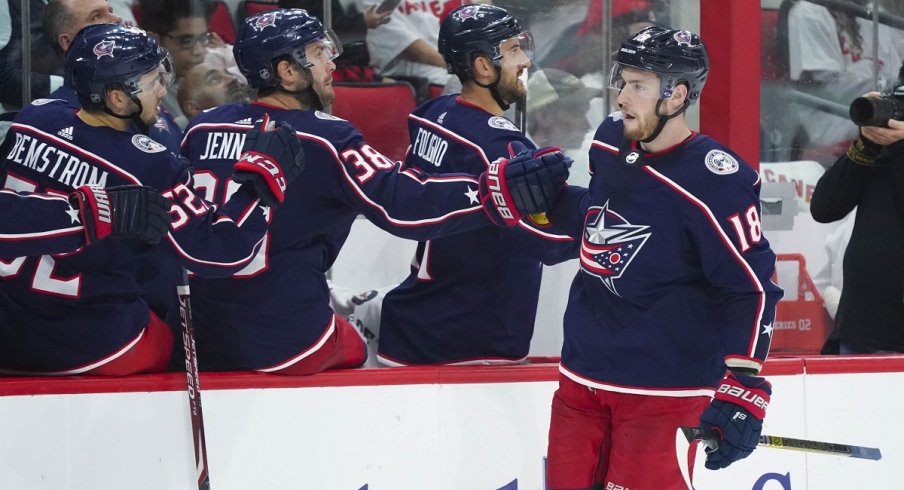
(610, 244)
(721, 163)
(502, 123)
(146, 144)
(104, 48)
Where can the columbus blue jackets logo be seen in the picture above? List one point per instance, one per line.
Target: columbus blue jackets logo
(721, 163)
(104, 48)
(502, 123)
(610, 244)
(146, 144)
(683, 38)
(467, 13)
(264, 21)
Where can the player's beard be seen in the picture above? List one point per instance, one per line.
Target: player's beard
(511, 89)
(641, 127)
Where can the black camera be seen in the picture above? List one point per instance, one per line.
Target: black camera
(876, 111)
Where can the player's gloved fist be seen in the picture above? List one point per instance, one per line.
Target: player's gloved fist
(271, 159)
(736, 415)
(129, 211)
(526, 183)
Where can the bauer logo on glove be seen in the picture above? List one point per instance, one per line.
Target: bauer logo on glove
(526, 183)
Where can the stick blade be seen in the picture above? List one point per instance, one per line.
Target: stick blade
(872, 453)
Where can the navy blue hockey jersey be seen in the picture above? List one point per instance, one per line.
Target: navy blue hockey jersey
(675, 280)
(279, 306)
(50, 227)
(470, 297)
(164, 131)
(65, 312)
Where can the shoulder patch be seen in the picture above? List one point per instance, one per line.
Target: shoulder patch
(328, 117)
(146, 144)
(502, 123)
(43, 101)
(721, 163)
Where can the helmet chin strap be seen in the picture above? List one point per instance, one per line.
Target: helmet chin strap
(307, 96)
(494, 89)
(663, 119)
(135, 117)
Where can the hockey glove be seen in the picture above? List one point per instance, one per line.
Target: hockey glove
(526, 183)
(271, 159)
(736, 416)
(128, 211)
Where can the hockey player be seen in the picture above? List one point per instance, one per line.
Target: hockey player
(82, 313)
(61, 224)
(674, 297)
(274, 316)
(61, 20)
(435, 316)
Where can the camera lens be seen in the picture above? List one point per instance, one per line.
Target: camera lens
(872, 111)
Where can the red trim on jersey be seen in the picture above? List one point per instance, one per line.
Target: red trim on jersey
(751, 347)
(75, 149)
(455, 136)
(370, 202)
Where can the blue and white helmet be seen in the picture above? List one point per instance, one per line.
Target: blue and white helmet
(267, 37)
(478, 29)
(105, 56)
(676, 56)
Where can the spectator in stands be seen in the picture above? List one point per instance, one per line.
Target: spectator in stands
(46, 69)
(180, 26)
(207, 86)
(870, 177)
(832, 56)
(405, 47)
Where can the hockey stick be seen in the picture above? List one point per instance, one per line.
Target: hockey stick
(711, 441)
(194, 386)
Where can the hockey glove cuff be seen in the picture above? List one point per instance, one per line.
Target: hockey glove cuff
(736, 414)
(122, 212)
(272, 157)
(526, 183)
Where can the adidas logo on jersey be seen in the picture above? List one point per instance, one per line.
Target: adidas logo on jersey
(66, 133)
(247, 120)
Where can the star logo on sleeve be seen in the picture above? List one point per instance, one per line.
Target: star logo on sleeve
(73, 214)
(472, 196)
(767, 329)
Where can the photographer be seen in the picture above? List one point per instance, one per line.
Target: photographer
(870, 177)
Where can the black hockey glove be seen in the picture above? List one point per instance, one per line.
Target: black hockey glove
(129, 211)
(526, 183)
(271, 159)
(736, 415)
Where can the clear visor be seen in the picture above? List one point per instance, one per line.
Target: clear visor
(164, 78)
(323, 50)
(517, 50)
(637, 82)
